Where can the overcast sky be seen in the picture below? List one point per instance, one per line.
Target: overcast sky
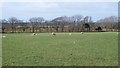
(51, 10)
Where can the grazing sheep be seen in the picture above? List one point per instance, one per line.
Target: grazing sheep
(53, 33)
(34, 34)
(82, 33)
(3, 36)
(70, 33)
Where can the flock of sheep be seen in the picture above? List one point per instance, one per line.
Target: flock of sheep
(53, 33)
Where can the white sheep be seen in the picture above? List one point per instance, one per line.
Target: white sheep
(70, 33)
(53, 33)
(34, 34)
(82, 33)
(3, 36)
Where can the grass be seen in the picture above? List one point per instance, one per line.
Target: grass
(44, 49)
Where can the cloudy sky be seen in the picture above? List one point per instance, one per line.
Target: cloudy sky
(51, 10)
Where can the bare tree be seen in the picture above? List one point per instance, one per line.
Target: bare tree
(23, 25)
(47, 25)
(85, 24)
(109, 23)
(76, 20)
(59, 22)
(3, 22)
(13, 21)
(36, 22)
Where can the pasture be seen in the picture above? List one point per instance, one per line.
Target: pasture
(45, 49)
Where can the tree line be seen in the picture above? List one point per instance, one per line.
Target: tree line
(76, 23)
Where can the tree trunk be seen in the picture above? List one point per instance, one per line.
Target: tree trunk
(3, 30)
(33, 30)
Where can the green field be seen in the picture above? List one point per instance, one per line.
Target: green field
(44, 49)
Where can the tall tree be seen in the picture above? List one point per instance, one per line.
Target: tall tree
(76, 20)
(109, 23)
(85, 22)
(87, 26)
(3, 22)
(13, 21)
